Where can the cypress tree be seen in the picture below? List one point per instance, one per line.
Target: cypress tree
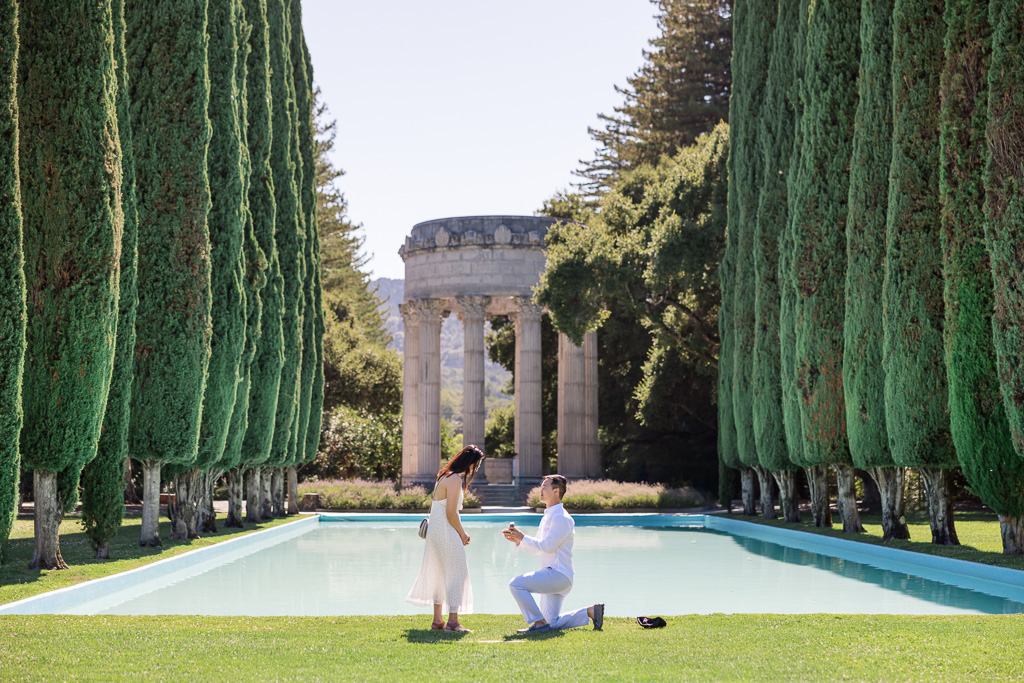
(266, 366)
(727, 454)
(916, 404)
(752, 25)
(731, 267)
(290, 234)
(863, 376)
(306, 146)
(788, 295)
(12, 277)
(167, 57)
(819, 211)
(227, 233)
(775, 138)
(103, 481)
(1004, 206)
(254, 264)
(71, 185)
(978, 422)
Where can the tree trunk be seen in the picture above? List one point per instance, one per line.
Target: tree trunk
(266, 498)
(894, 504)
(940, 505)
(130, 497)
(293, 491)
(764, 482)
(786, 480)
(253, 489)
(1012, 531)
(817, 481)
(747, 488)
(103, 551)
(847, 498)
(150, 534)
(235, 478)
(48, 515)
(277, 491)
(207, 515)
(186, 504)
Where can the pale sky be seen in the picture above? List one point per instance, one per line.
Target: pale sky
(465, 107)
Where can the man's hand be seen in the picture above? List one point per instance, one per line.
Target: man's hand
(514, 535)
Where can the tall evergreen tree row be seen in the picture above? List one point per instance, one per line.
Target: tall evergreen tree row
(898, 325)
(143, 294)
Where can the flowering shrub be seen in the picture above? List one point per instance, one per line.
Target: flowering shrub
(360, 494)
(605, 494)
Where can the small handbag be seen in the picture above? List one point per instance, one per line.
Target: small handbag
(424, 523)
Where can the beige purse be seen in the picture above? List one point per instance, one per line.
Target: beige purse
(424, 523)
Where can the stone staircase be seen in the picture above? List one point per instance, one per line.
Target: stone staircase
(504, 495)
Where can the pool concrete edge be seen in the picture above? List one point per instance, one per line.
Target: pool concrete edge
(60, 600)
(1000, 581)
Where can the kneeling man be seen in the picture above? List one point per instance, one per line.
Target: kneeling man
(553, 580)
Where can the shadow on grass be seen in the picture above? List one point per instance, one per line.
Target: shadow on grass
(546, 635)
(430, 636)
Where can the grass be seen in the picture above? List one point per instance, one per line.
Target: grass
(361, 494)
(605, 494)
(17, 581)
(700, 648)
(978, 533)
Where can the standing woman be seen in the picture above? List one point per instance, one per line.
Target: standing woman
(443, 580)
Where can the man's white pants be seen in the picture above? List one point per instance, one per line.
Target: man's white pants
(552, 586)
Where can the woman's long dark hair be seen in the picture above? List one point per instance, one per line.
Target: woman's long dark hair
(466, 463)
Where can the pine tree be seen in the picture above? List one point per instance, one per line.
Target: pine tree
(290, 235)
(169, 90)
(681, 91)
(103, 481)
(916, 403)
(863, 376)
(775, 138)
(1004, 206)
(70, 163)
(254, 266)
(753, 25)
(12, 277)
(978, 422)
(266, 367)
(788, 294)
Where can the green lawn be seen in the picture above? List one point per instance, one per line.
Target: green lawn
(696, 647)
(17, 581)
(715, 647)
(978, 533)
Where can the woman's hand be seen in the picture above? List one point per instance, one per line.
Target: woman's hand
(465, 537)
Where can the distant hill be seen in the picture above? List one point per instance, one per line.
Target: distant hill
(392, 293)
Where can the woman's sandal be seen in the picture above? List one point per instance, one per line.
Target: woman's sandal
(437, 627)
(459, 629)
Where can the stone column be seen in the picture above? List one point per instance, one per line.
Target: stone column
(528, 390)
(428, 432)
(410, 390)
(572, 401)
(591, 446)
(474, 311)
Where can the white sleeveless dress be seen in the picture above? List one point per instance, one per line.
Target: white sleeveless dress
(444, 574)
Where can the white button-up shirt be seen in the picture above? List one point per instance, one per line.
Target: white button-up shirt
(553, 541)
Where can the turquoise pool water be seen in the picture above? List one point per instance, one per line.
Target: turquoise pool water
(367, 567)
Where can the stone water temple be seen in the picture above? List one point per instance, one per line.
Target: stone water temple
(477, 267)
